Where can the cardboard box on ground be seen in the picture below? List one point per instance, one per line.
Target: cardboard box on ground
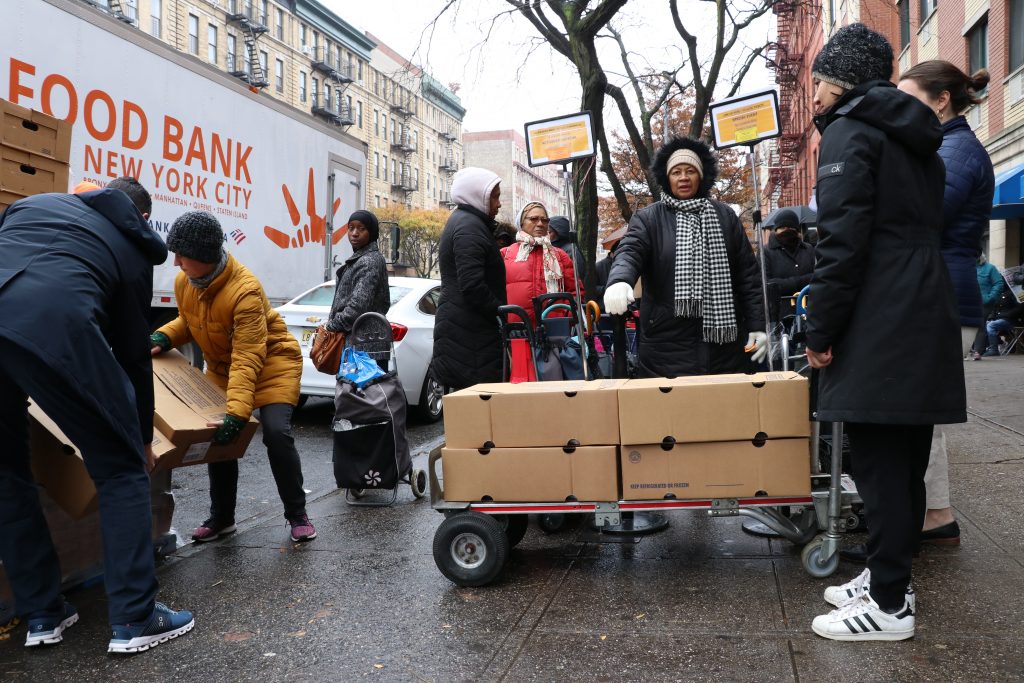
(716, 436)
(34, 153)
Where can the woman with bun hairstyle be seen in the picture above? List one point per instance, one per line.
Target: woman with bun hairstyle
(966, 208)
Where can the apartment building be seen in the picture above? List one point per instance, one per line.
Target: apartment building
(972, 34)
(303, 54)
(504, 152)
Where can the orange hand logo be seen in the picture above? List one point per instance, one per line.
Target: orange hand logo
(315, 231)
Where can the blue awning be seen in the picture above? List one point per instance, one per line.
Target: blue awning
(1008, 201)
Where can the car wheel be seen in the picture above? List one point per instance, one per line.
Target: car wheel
(431, 405)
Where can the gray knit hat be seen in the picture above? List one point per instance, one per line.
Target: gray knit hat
(196, 235)
(855, 54)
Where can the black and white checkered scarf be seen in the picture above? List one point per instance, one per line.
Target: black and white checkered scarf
(703, 287)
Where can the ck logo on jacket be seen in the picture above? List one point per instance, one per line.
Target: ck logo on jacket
(829, 170)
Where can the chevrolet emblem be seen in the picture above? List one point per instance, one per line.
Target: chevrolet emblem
(313, 319)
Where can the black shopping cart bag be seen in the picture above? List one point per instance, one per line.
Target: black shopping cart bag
(371, 450)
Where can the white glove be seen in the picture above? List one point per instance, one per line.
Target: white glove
(618, 297)
(758, 343)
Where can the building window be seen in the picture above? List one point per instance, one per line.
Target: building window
(232, 51)
(193, 34)
(303, 34)
(1016, 34)
(316, 41)
(977, 46)
(360, 63)
(264, 62)
(279, 23)
(384, 125)
(279, 75)
(385, 202)
(154, 18)
(376, 167)
(903, 7)
(302, 86)
(359, 113)
(315, 92)
(348, 104)
(376, 200)
(211, 44)
(376, 122)
(384, 167)
(376, 83)
(264, 12)
(927, 7)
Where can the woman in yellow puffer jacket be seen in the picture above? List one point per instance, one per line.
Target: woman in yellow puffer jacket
(249, 353)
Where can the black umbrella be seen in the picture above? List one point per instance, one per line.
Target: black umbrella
(804, 214)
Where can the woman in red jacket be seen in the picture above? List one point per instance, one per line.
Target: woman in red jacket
(532, 266)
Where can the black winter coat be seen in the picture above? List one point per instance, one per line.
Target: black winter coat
(787, 272)
(966, 208)
(881, 297)
(467, 343)
(76, 283)
(362, 287)
(669, 345)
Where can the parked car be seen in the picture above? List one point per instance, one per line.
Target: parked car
(413, 305)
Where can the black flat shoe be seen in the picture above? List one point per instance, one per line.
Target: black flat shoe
(947, 534)
(855, 553)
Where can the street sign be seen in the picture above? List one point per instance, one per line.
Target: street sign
(745, 119)
(560, 140)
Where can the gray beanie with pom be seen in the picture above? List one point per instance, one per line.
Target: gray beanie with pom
(196, 235)
(855, 54)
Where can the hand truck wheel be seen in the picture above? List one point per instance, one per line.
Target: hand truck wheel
(470, 548)
(814, 561)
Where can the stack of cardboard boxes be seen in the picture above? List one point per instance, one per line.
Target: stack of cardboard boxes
(719, 436)
(34, 153)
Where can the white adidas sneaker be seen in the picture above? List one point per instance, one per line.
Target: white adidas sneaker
(863, 619)
(851, 590)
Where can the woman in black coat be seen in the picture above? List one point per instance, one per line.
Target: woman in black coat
(702, 307)
(882, 320)
(467, 343)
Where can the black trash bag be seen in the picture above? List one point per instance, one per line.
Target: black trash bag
(371, 449)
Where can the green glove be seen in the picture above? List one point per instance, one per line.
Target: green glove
(160, 339)
(229, 430)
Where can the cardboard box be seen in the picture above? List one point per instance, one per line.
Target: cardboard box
(34, 132)
(23, 174)
(552, 475)
(58, 467)
(714, 408)
(723, 469)
(186, 400)
(533, 414)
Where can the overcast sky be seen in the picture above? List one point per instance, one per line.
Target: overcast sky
(504, 84)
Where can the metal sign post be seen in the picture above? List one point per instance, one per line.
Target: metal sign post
(329, 235)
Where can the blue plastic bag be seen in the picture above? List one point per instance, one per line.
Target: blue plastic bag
(357, 367)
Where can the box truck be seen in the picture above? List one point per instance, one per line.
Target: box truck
(194, 136)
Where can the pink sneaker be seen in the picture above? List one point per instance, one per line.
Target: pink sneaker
(302, 529)
(211, 531)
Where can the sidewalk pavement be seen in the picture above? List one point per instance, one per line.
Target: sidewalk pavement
(702, 601)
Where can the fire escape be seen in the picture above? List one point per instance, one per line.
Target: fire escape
(122, 10)
(330, 104)
(787, 64)
(403, 144)
(253, 24)
(448, 165)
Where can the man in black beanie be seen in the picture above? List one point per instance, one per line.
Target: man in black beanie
(249, 353)
(788, 262)
(882, 323)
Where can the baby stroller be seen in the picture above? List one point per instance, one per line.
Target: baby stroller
(371, 450)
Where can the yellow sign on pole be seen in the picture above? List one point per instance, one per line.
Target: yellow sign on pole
(745, 119)
(560, 140)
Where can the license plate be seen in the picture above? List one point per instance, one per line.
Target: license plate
(306, 336)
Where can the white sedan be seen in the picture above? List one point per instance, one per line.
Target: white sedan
(413, 305)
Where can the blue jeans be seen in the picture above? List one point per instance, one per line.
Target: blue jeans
(996, 327)
(116, 464)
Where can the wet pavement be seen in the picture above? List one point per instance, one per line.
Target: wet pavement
(702, 601)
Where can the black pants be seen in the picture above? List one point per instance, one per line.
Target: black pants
(889, 462)
(116, 462)
(276, 420)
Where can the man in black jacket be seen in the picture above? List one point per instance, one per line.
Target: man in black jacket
(76, 282)
(788, 261)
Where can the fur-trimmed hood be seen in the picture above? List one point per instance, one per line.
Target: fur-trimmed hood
(707, 159)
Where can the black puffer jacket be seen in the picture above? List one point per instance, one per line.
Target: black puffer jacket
(786, 271)
(467, 344)
(881, 297)
(669, 345)
(362, 287)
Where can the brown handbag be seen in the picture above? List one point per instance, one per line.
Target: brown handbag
(325, 351)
